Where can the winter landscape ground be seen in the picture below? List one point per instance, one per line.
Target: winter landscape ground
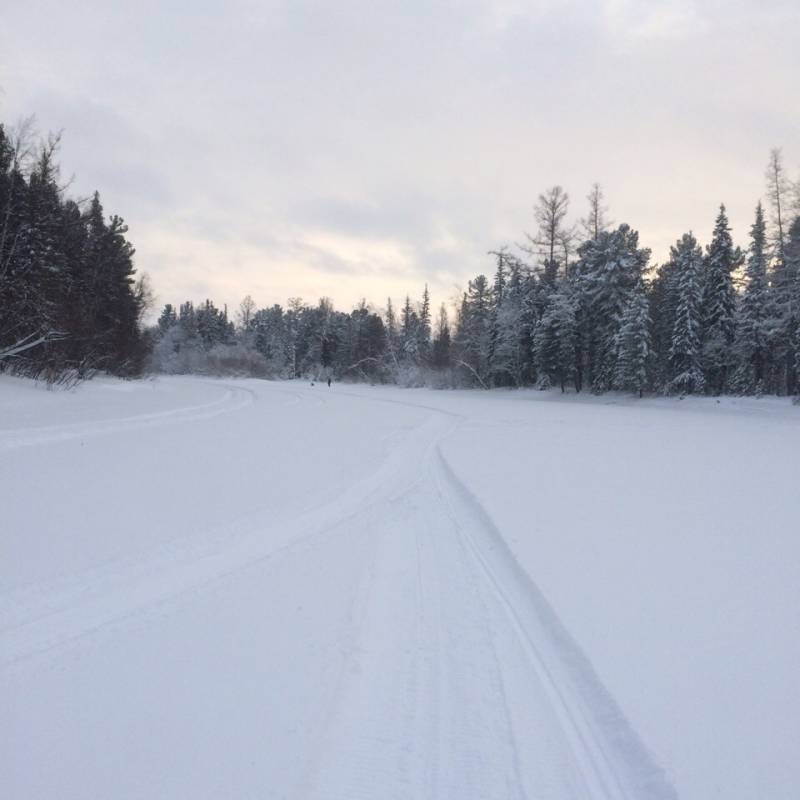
(250, 589)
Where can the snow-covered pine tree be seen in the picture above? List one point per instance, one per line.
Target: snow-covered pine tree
(498, 293)
(392, 338)
(633, 342)
(530, 308)
(424, 328)
(719, 304)
(167, 318)
(474, 332)
(508, 335)
(663, 297)
(409, 326)
(501, 369)
(608, 270)
(752, 326)
(790, 321)
(781, 312)
(685, 353)
(555, 339)
(796, 337)
(441, 341)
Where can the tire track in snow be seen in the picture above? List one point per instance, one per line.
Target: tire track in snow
(44, 618)
(458, 679)
(423, 710)
(505, 699)
(612, 759)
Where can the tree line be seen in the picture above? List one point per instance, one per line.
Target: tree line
(69, 302)
(575, 306)
(578, 306)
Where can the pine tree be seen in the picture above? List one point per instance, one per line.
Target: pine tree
(790, 309)
(633, 343)
(663, 299)
(752, 329)
(508, 334)
(685, 352)
(424, 328)
(168, 318)
(498, 297)
(390, 325)
(555, 340)
(530, 305)
(608, 270)
(68, 297)
(409, 333)
(473, 336)
(719, 304)
(40, 265)
(441, 341)
(796, 337)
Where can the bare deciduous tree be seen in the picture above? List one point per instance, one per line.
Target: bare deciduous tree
(596, 221)
(778, 188)
(245, 314)
(553, 236)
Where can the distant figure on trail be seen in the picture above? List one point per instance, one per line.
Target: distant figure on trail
(329, 383)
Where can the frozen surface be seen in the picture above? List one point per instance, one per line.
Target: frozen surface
(249, 589)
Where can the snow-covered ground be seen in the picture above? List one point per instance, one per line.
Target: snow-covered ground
(247, 589)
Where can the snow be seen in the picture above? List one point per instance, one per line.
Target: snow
(251, 589)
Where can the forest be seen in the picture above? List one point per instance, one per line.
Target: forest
(576, 306)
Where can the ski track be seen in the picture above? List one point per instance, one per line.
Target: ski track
(233, 399)
(457, 679)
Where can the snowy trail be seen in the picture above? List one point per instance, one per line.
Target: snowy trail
(233, 399)
(328, 607)
(37, 619)
(450, 683)
(462, 682)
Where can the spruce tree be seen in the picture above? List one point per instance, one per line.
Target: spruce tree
(392, 339)
(474, 331)
(168, 318)
(409, 332)
(633, 343)
(508, 335)
(555, 340)
(424, 328)
(752, 328)
(719, 304)
(686, 347)
(608, 270)
(789, 328)
(663, 299)
(441, 341)
(498, 294)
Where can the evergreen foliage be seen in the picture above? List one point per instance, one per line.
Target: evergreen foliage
(719, 304)
(633, 343)
(753, 329)
(69, 303)
(605, 323)
(685, 352)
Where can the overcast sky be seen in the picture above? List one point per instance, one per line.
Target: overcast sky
(355, 149)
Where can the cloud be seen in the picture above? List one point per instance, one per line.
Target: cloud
(668, 20)
(361, 148)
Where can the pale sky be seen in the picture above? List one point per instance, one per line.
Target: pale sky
(360, 149)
